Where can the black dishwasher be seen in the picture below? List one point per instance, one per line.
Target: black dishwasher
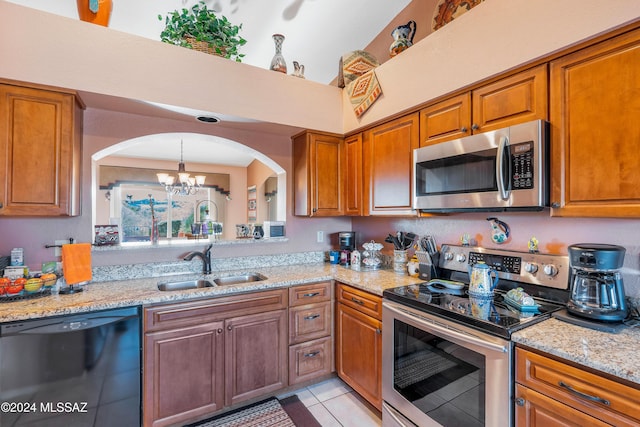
(80, 370)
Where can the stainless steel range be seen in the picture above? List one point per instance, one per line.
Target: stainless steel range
(446, 355)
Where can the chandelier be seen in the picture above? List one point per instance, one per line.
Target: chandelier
(185, 185)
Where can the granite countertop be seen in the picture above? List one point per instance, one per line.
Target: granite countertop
(123, 293)
(616, 354)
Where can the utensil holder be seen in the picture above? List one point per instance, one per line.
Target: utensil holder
(400, 260)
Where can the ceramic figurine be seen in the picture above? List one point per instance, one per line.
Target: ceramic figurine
(533, 245)
(499, 230)
(298, 70)
(402, 38)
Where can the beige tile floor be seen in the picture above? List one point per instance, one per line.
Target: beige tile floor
(335, 404)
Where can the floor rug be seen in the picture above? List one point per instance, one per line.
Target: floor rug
(289, 412)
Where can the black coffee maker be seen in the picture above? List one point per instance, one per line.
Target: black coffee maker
(597, 291)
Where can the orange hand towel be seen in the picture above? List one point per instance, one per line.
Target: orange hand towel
(76, 263)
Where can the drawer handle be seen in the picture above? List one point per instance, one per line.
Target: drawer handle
(357, 301)
(311, 317)
(311, 294)
(312, 354)
(584, 395)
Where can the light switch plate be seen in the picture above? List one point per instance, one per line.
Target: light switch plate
(57, 249)
(320, 237)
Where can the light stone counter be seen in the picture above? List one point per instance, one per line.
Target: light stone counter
(616, 354)
(123, 293)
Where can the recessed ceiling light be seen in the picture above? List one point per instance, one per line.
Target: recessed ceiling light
(207, 119)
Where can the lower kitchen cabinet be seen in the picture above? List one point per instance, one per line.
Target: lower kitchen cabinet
(310, 332)
(200, 356)
(359, 342)
(552, 393)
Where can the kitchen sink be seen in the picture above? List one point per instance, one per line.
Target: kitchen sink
(185, 284)
(235, 280)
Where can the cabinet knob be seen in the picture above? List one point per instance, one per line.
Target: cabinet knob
(1, 205)
(520, 401)
(475, 127)
(555, 204)
(229, 328)
(219, 330)
(464, 129)
(378, 331)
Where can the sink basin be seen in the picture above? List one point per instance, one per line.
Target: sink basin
(183, 285)
(235, 280)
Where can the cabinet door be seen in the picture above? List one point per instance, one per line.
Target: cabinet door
(388, 166)
(516, 99)
(255, 355)
(445, 120)
(317, 159)
(183, 373)
(594, 133)
(534, 409)
(352, 175)
(40, 138)
(359, 353)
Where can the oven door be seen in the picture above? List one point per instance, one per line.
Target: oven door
(436, 372)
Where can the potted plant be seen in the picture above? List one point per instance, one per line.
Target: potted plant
(199, 28)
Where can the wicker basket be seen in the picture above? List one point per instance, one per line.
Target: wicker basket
(204, 47)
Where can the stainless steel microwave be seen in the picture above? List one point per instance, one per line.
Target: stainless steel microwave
(273, 229)
(504, 169)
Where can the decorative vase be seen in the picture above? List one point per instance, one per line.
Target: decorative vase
(278, 63)
(402, 38)
(95, 11)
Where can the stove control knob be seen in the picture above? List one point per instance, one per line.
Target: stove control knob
(550, 270)
(461, 258)
(448, 256)
(531, 267)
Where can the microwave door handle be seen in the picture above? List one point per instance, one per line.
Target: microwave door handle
(502, 176)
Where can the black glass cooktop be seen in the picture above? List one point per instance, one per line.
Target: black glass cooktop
(492, 315)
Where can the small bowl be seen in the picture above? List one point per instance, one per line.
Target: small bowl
(49, 279)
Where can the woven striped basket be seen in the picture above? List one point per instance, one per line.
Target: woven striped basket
(201, 46)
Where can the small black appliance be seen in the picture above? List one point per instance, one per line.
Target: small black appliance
(597, 289)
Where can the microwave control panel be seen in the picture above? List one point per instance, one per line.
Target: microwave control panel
(522, 166)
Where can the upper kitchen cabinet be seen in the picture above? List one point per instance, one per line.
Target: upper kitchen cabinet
(352, 175)
(595, 95)
(317, 179)
(511, 100)
(388, 166)
(40, 143)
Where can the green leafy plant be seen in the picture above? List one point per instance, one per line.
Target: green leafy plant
(201, 24)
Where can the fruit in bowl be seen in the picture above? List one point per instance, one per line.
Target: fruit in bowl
(16, 286)
(4, 282)
(33, 285)
(48, 279)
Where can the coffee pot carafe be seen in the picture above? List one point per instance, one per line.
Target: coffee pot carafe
(597, 289)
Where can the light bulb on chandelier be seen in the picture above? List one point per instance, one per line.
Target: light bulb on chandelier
(185, 185)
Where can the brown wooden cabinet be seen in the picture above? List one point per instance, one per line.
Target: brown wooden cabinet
(594, 137)
(552, 393)
(359, 342)
(310, 332)
(317, 174)
(388, 166)
(352, 175)
(511, 100)
(200, 356)
(40, 151)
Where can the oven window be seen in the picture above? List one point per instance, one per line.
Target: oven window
(466, 173)
(442, 379)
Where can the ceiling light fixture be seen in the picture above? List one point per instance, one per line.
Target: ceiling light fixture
(185, 185)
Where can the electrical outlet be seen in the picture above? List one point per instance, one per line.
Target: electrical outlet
(320, 237)
(57, 250)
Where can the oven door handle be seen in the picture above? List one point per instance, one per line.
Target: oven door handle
(398, 418)
(451, 332)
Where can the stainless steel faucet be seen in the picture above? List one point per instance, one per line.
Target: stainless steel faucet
(205, 256)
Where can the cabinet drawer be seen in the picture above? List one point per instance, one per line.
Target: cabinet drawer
(362, 301)
(308, 322)
(593, 394)
(201, 311)
(310, 294)
(310, 360)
